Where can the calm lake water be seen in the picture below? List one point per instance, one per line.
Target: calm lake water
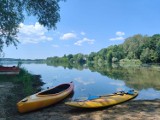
(91, 82)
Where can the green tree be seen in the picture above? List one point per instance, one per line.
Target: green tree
(12, 13)
(145, 56)
(149, 56)
(80, 58)
(91, 56)
(109, 57)
(158, 50)
(114, 59)
(70, 56)
(133, 46)
(153, 56)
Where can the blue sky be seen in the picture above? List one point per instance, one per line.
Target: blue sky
(87, 26)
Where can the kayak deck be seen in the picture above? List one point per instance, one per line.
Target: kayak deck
(103, 101)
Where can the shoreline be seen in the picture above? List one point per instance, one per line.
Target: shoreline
(131, 110)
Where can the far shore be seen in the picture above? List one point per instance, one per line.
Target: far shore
(131, 110)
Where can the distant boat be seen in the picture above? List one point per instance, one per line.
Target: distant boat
(45, 98)
(104, 100)
(9, 70)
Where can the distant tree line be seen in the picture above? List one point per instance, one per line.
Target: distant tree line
(77, 59)
(140, 47)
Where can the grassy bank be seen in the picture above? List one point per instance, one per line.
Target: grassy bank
(27, 82)
(13, 88)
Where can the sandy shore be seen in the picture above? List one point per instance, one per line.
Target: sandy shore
(131, 110)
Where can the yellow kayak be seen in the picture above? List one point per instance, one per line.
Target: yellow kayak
(103, 101)
(45, 98)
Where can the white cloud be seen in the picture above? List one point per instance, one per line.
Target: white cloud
(32, 33)
(120, 33)
(83, 33)
(67, 36)
(119, 36)
(55, 46)
(89, 41)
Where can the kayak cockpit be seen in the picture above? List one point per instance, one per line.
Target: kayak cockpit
(56, 90)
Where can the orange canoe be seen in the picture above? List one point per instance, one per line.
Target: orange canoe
(45, 98)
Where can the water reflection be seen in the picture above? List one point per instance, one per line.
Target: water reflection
(138, 78)
(144, 79)
(88, 82)
(135, 77)
(98, 80)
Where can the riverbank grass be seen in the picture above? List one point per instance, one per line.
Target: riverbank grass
(25, 80)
